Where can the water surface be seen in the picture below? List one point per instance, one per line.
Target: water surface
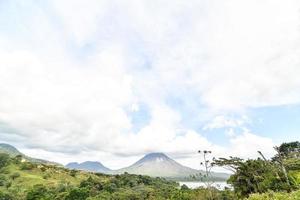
(196, 184)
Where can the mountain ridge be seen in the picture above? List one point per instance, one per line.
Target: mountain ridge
(160, 165)
(156, 164)
(13, 151)
(92, 166)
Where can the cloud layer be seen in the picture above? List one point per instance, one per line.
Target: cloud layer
(74, 73)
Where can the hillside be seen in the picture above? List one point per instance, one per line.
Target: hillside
(9, 149)
(31, 181)
(12, 151)
(255, 179)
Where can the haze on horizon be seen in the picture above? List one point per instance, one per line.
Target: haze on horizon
(112, 80)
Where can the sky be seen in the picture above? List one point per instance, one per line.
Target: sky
(112, 80)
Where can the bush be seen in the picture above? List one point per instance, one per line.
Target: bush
(27, 166)
(14, 175)
(4, 159)
(276, 196)
(184, 187)
(102, 196)
(78, 194)
(8, 184)
(46, 176)
(2, 180)
(39, 192)
(5, 196)
(110, 187)
(90, 183)
(73, 173)
(17, 159)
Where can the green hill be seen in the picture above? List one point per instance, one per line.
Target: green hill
(26, 180)
(12, 151)
(23, 180)
(9, 149)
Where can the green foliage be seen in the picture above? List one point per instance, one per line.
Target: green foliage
(39, 192)
(78, 194)
(4, 159)
(5, 196)
(261, 175)
(91, 183)
(27, 166)
(73, 172)
(102, 196)
(3, 180)
(291, 149)
(184, 187)
(257, 179)
(254, 176)
(14, 175)
(276, 196)
(292, 164)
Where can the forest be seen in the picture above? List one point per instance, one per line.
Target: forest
(253, 179)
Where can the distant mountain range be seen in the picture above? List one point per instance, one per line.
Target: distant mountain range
(153, 164)
(89, 166)
(12, 151)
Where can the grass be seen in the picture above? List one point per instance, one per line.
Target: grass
(44, 174)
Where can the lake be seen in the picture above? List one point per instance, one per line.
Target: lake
(196, 184)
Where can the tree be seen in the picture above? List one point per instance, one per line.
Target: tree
(14, 175)
(4, 159)
(279, 160)
(73, 172)
(253, 176)
(94, 186)
(78, 194)
(2, 180)
(287, 157)
(39, 192)
(5, 196)
(27, 166)
(291, 149)
(232, 163)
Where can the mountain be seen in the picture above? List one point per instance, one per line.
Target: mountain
(160, 165)
(13, 151)
(9, 149)
(88, 166)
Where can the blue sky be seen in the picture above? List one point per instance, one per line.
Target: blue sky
(113, 80)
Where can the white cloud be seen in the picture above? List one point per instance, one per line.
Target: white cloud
(63, 102)
(74, 67)
(248, 144)
(80, 19)
(222, 121)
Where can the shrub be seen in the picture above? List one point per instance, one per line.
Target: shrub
(276, 196)
(102, 196)
(39, 192)
(5, 196)
(27, 166)
(2, 180)
(78, 194)
(4, 159)
(73, 173)
(46, 176)
(14, 175)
